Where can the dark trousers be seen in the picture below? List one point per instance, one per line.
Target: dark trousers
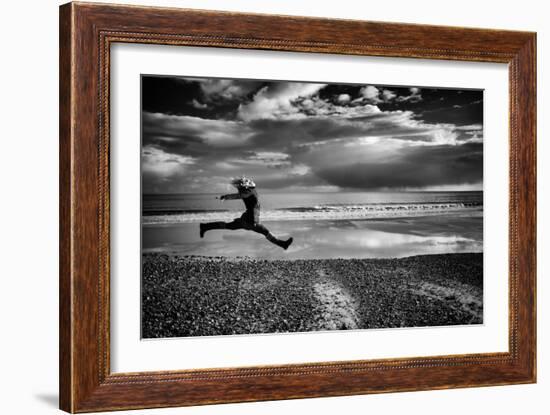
(243, 223)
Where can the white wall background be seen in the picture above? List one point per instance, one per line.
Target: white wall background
(28, 206)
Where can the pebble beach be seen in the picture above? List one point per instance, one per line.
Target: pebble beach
(189, 295)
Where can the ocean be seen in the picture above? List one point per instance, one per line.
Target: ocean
(323, 225)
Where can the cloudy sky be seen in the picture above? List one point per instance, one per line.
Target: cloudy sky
(290, 136)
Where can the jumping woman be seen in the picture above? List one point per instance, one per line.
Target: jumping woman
(250, 219)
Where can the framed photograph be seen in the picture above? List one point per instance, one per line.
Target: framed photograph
(258, 207)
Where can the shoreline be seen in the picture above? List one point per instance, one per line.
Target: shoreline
(175, 254)
(196, 295)
(183, 218)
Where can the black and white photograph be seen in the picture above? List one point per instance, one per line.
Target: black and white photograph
(276, 206)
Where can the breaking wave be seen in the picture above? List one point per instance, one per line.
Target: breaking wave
(320, 212)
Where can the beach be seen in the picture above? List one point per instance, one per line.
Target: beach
(325, 239)
(323, 225)
(197, 295)
(362, 260)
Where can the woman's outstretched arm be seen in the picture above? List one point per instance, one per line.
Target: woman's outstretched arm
(231, 196)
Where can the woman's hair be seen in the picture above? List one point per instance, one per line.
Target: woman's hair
(243, 183)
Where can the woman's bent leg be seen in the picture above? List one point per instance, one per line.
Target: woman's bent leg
(270, 237)
(205, 227)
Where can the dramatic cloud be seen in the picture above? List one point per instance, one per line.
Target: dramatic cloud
(289, 135)
(276, 101)
(185, 131)
(371, 93)
(157, 162)
(414, 97)
(343, 98)
(388, 95)
(225, 89)
(196, 104)
(410, 167)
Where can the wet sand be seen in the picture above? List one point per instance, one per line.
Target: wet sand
(324, 239)
(190, 295)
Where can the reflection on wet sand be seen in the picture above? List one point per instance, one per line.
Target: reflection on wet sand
(384, 238)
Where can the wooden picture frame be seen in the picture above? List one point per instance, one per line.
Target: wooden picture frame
(86, 33)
